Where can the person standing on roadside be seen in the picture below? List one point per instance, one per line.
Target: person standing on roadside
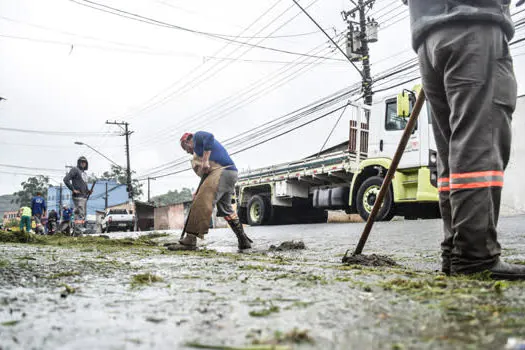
(38, 208)
(76, 180)
(468, 79)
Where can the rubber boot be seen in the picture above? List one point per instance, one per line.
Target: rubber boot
(188, 242)
(242, 238)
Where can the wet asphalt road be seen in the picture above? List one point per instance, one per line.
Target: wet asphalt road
(234, 299)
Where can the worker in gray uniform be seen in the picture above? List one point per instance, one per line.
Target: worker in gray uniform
(468, 78)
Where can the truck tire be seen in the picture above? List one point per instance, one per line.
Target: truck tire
(258, 210)
(366, 196)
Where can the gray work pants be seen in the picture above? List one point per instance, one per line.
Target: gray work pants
(469, 81)
(80, 208)
(225, 191)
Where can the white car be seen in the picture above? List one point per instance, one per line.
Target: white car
(118, 220)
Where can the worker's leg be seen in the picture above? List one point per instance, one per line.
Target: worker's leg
(80, 208)
(223, 201)
(440, 111)
(27, 220)
(481, 90)
(22, 223)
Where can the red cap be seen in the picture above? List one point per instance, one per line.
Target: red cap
(185, 137)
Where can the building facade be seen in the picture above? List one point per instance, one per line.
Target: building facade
(115, 193)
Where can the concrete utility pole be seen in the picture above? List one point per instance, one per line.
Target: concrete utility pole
(149, 193)
(358, 38)
(126, 133)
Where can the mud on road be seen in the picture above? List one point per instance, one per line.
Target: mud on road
(122, 293)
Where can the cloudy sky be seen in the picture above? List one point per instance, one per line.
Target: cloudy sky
(68, 67)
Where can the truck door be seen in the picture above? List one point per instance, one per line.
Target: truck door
(390, 133)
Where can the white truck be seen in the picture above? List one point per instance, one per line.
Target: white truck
(117, 220)
(348, 177)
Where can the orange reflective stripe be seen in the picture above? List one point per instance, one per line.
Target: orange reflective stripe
(477, 185)
(444, 179)
(477, 174)
(444, 189)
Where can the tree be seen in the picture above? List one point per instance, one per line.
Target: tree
(119, 174)
(173, 197)
(30, 187)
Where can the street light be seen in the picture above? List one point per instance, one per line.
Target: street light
(85, 144)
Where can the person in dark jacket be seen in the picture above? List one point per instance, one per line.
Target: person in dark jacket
(76, 181)
(469, 81)
(38, 208)
(52, 222)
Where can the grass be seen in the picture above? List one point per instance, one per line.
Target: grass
(85, 243)
(64, 274)
(197, 345)
(295, 336)
(10, 323)
(145, 279)
(265, 312)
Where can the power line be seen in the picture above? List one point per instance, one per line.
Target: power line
(197, 81)
(30, 168)
(151, 103)
(152, 21)
(329, 37)
(217, 114)
(59, 133)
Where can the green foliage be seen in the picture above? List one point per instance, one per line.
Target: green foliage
(30, 187)
(173, 197)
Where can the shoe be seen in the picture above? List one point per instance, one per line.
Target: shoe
(188, 242)
(505, 271)
(499, 271)
(242, 239)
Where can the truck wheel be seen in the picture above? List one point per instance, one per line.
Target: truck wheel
(366, 197)
(258, 210)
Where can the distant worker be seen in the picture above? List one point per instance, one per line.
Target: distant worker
(213, 164)
(52, 222)
(38, 208)
(468, 78)
(76, 180)
(65, 223)
(25, 219)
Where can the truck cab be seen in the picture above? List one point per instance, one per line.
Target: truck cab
(349, 176)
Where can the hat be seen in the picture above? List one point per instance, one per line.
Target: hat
(186, 136)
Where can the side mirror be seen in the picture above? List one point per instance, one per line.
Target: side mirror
(403, 105)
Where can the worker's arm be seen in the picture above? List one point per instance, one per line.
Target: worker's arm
(67, 180)
(206, 140)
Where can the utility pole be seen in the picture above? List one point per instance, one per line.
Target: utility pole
(126, 133)
(358, 37)
(60, 200)
(106, 197)
(149, 193)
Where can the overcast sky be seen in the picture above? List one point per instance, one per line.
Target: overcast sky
(67, 67)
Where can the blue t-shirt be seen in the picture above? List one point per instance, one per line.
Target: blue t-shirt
(66, 214)
(204, 141)
(38, 205)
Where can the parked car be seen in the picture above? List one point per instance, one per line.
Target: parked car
(118, 220)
